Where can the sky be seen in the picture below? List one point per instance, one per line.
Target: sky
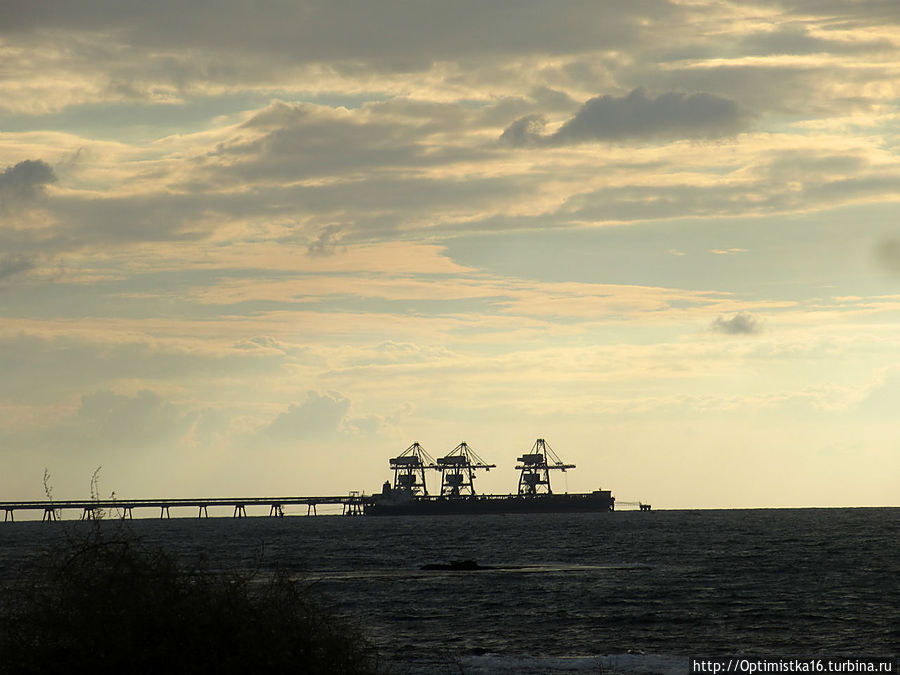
(260, 248)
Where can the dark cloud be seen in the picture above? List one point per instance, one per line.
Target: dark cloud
(80, 222)
(302, 141)
(24, 181)
(11, 265)
(804, 88)
(742, 323)
(671, 115)
(268, 44)
(525, 131)
(398, 35)
(796, 39)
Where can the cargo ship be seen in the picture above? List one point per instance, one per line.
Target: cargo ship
(408, 495)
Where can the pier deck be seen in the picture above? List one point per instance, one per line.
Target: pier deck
(351, 504)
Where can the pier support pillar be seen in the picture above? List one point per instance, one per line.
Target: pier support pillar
(240, 511)
(202, 512)
(311, 509)
(164, 512)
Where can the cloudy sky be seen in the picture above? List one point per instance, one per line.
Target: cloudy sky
(262, 247)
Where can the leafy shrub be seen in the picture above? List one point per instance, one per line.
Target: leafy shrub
(109, 604)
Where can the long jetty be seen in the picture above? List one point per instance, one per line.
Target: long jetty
(352, 505)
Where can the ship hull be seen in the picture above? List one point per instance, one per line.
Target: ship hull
(491, 504)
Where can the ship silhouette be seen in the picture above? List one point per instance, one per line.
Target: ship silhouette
(408, 495)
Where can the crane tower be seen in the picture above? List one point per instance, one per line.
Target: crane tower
(409, 469)
(536, 466)
(458, 468)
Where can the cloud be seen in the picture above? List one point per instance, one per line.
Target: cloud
(320, 415)
(671, 115)
(324, 416)
(742, 323)
(13, 264)
(762, 186)
(128, 51)
(397, 36)
(78, 222)
(887, 254)
(883, 396)
(124, 423)
(526, 130)
(24, 182)
(794, 39)
(292, 142)
(40, 367)
(326, 243)
(262, 344)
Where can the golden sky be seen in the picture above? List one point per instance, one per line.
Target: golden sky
(260, 248)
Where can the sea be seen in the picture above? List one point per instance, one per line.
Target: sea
(619, 592)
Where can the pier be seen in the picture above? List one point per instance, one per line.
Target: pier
(407, 496)
(640, 506)
(352, 504)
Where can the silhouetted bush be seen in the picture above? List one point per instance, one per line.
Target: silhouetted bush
(106, 603)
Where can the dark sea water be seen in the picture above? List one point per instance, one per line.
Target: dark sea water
(628, 591)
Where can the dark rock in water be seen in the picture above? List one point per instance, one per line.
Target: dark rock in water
(456, 566)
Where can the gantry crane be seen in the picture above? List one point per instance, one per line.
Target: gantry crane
(458, 468)
(409, 469)
(535, 467)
